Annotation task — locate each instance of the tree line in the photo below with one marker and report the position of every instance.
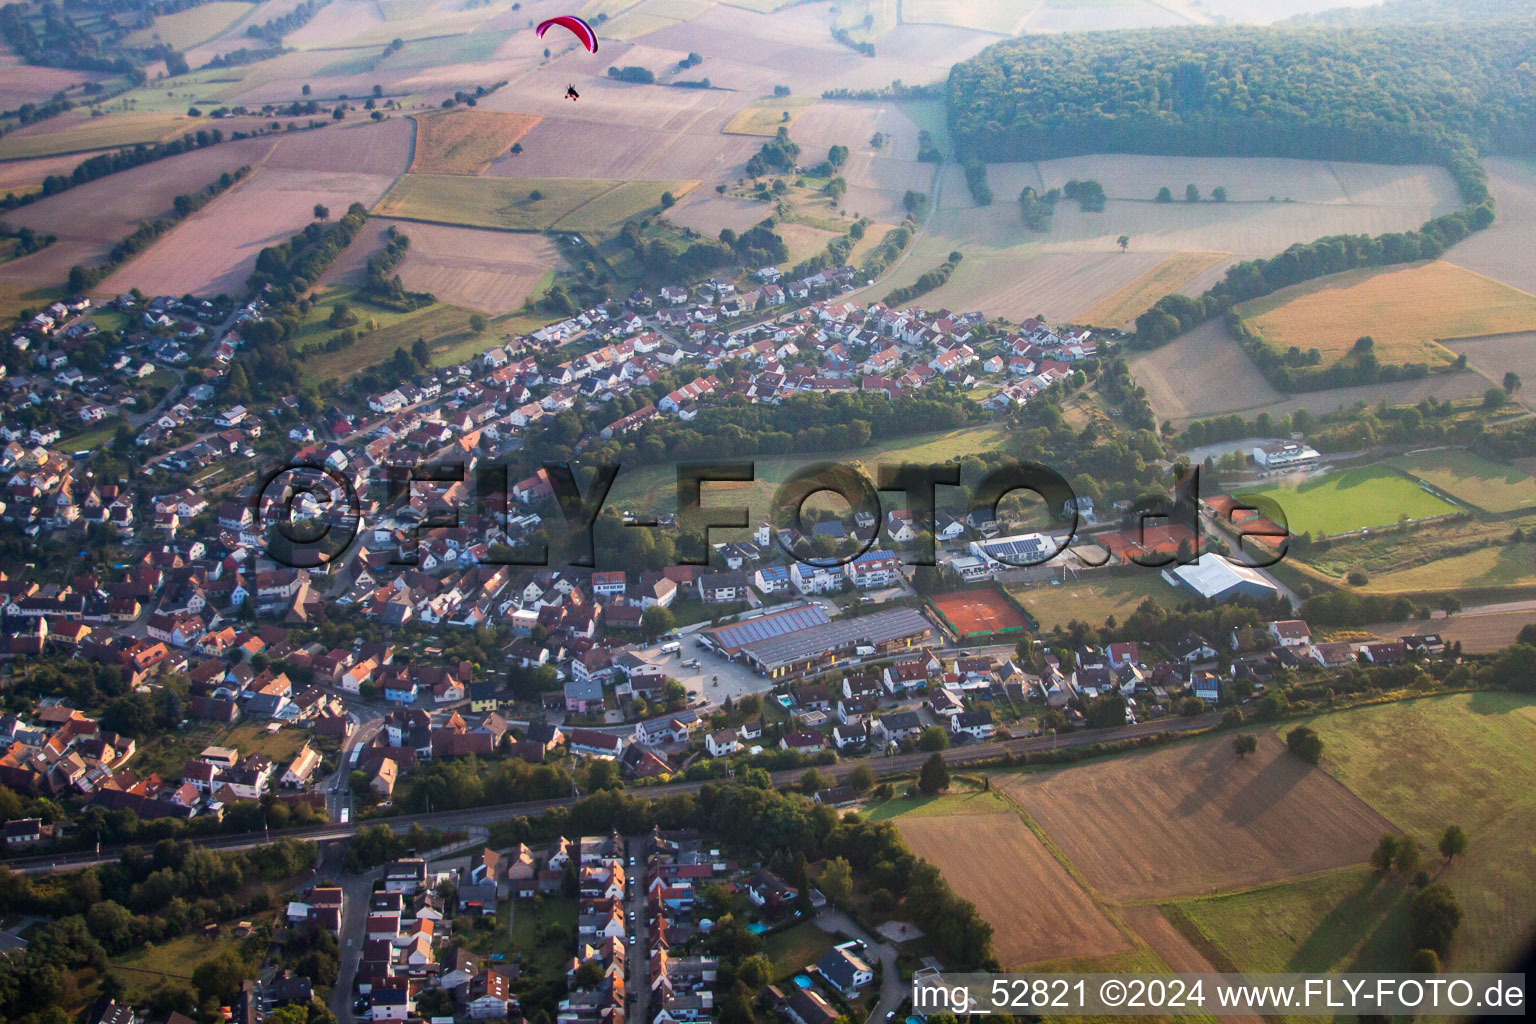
(380, 288)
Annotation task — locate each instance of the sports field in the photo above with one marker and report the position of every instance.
(524, 204)
(1406, 311)
(984, 612)
(1053, 607)
(1470, 478)
(997, 863)
(1352, 500)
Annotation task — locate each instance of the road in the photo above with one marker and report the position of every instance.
(892, 991)
(637, 957)
(478, 816)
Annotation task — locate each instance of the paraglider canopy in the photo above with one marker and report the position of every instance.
(576, 25)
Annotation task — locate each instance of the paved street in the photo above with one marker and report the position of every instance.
(892, 991)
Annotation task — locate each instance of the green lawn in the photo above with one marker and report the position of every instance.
(252, 738)
(1461, 759)
(93, 436)
(529, 922)
(795, 948)
(442, 325)
(1055, 606)
(1351, 500)
(1472, 479)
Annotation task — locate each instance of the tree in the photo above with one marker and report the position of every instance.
(1191, 193)
(1434, 916)
(1454, 843)
(322, 212)
(862, 778)
(477, 323)
(1385, 853)
(655, 621)
(812, 782)
(1245, 744)
(1494, 397)
(1512, 382)
(934, 778)
(1124, 242)
(535, 196)
(1305, 744)
(305, 90)
(1165, 194)
(1407, 859)
(588, 975)
(1219, 194)
(933, 738)
(1425, 961)
(836, 881)
(668, 200)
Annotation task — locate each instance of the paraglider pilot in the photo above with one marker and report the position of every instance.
(571, 93)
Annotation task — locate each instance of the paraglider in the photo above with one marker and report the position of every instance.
(577, 26)
(571, 93)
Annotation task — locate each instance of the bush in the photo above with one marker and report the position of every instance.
(1305, 744)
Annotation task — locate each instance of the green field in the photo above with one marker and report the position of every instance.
(149, 966)
(1055, 607)
(766, 116)
(654, 488)
(444, 327)
(1351, 500)
(252, 738)
(980, 802)
(1350, 919)
(1472, 479)
(1461, 759)
(574, 204)
(97, 133)
(1496, 566)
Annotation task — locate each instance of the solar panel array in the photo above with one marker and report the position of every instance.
(1016, 550)
(765, 627)
(879, 628)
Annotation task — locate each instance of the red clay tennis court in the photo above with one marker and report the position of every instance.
(979, 612)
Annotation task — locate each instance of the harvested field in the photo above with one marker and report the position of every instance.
(1003, 17)
(215, 249)
(93, 217)
(707, 213)
(997, 863)
(766, 116)
(465, 141)
(1503, 250)
(1017, 284)
(29, 83)
(983, 612)
(185, 29)
(570, 147)
(363, 148)
(489, 271)
(1494, 357)
(1352, 500)
(1406, 310)
(1482, 483)
(1097, 15)
(1479, 632)
(1202, 818)
(23, 176)
(1205, 373)
(505, 203)
(1171, 275)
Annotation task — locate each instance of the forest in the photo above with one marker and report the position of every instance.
(1387, 94)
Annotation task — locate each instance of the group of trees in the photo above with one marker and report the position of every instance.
(290, 267)
(82, 279)
(380, 288)
(273, 30)
(103, 164)
(925, 283)
(776, 155)
(1192, 194)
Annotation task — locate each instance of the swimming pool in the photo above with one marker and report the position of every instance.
(914, 1020)
(757, 928)
(803, 981)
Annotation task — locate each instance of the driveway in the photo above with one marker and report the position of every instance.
(892, 991)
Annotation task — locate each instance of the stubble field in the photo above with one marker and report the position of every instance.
(1036, 910)
(1201, 819)
(490, 271)
(464, 141)
(1407, 311)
